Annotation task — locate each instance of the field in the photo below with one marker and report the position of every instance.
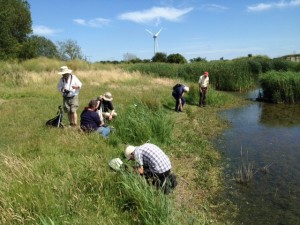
(61, 176)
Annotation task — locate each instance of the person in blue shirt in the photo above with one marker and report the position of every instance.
(90, 120)
(178, 93)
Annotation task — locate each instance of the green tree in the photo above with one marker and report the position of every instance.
(198, 59)
(69, 50)
(176, 58)
(15, 26)
(159, 57)
(37, 46)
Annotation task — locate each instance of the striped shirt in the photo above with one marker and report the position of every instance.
(149, 155)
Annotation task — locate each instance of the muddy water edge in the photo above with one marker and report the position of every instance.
(267, 137)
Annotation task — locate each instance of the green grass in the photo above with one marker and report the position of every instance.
(281, 86)
(61, 176)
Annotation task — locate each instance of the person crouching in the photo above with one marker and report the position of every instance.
(90, 120)
(153, 164)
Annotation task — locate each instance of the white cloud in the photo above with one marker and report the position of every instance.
(214, 7)
(97, 22)
(43, 30)
(155, 14)
(267, 6)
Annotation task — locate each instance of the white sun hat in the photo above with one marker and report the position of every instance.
(130, 149)
(186, 89)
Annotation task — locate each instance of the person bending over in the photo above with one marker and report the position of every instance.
(154, 164)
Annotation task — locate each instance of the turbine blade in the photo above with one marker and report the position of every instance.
(158, 32)
(149, 32)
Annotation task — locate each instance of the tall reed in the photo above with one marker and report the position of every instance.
(281, 86)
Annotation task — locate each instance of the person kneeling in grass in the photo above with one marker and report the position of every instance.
(153, 164)
(90, 120)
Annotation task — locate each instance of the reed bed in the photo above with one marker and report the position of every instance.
(281, 87)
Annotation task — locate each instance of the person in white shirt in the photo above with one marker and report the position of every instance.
(69, 85)
(203, 88)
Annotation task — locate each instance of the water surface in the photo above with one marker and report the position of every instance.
(265, 135)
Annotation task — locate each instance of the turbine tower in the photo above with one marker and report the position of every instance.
(155, 39)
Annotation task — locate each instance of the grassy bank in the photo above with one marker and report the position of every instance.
(61, 176)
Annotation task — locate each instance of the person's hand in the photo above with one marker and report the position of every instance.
(110, 117)
(75, 87)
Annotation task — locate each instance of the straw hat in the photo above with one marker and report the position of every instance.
(64, 70)
(107, 96)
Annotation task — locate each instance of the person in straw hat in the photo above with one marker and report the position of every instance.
(69, 85)
(106, 108)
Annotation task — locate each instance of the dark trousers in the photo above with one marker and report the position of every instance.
(202, 96)
(159, 180)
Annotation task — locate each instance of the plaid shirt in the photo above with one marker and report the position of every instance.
(149, 155)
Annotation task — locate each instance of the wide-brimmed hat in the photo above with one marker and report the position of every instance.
(107, 96)
(205, 73)
(64, 70)
(128, 151)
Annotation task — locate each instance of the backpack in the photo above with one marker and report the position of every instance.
(57, 120)
(176, 86)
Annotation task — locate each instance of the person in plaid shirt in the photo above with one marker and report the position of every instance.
(152, 163)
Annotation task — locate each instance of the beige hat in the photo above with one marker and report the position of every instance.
(64, 70)
(107, 96)
(130, 149)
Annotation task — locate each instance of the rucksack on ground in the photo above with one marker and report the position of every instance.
(57, 120)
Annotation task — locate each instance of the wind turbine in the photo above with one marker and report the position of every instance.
(155, 39)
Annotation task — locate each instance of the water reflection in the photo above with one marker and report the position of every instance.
(265, 134)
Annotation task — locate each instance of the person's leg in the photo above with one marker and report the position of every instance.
(204, 97)
(177, 105)
(201, 97)
(74, 104)
(104, 131)
(163, 181)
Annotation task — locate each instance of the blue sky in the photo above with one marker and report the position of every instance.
(109, 29)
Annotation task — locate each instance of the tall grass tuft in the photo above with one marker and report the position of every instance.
(150, 206)
(143, 121)
(245, 172)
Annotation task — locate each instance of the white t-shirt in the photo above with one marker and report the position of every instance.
(204, 81)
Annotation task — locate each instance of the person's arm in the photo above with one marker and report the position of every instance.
(76, 84)
(140, 170)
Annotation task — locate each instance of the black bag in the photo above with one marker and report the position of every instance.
(176, 86)
(56, 121)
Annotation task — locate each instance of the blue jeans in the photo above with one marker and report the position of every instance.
(104, 131)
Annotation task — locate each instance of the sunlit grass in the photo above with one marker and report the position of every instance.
(61, 176)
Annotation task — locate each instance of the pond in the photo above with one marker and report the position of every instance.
(266, 136)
